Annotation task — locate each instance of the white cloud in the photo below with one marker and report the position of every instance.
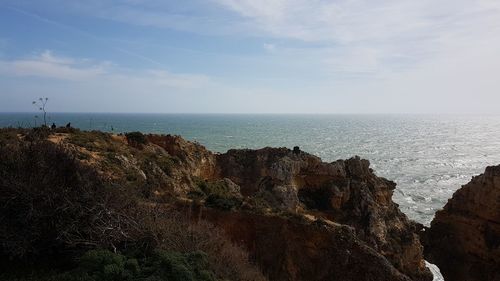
(393, 29)
(72, 84)
(328, 56)
(355, 35)
(375, 35)
(47, 65)
(347, 21)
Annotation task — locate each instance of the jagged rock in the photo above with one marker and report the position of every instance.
(464, 237)
(195, 158)
(291, 250)
(347, 192)
(193, 161)
(233, 189)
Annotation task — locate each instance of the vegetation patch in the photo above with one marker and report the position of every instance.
(217, 194)
(104, 265)
(164, 161)
(93, 141)
(136, 139)
(7, 136)
(54, 209)
(49, 201)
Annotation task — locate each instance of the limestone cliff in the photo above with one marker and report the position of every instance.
(464, 237)
(300, 218)
(293, 249)
(345, 191)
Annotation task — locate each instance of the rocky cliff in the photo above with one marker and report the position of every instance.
(299, 218)
(293, 249)
(464, 237)
(345, 191)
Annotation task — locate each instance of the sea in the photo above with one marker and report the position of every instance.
(428, 156)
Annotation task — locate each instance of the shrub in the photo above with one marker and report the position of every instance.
(53, 208)
(217, 194)
(175, 232)
(92, 141)
(208, 188)
(136, 139)
(7, 136)
(104, 265)
(50, 203)
(164, 161)
(37, 134)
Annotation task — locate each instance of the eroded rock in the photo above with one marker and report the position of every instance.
(347, 192)
(464, 237)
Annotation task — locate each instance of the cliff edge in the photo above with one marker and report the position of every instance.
(464, 237)
(297, 217)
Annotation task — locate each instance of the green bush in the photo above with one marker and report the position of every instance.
(136, 138)
(104, 265)
(164, 161)
(216, 194)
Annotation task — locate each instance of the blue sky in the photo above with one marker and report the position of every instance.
(251, 56)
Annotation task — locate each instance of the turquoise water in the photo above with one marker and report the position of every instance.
(429, 157)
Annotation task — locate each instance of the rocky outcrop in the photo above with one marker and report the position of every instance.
(196, 159)
(299, 217)
(346, 192)
(464, 237)
(293, 249)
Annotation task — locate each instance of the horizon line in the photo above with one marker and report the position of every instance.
(253, 113)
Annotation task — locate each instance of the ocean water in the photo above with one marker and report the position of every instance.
(428, 156)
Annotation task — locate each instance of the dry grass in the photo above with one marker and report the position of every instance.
(174, 231)
(53, 207)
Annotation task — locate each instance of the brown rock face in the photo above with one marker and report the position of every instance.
(464, 238)
(347, 192)
(195, 158)
(293, 250)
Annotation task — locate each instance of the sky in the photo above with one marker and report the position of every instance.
(251, 56)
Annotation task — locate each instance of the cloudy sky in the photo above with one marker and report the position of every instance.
(251, 56)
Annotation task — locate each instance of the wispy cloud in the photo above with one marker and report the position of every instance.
(48, 65)
(355, 35)
(89, 35)
(307, 55)
(348, 21)
(372, 35)
(77, 84)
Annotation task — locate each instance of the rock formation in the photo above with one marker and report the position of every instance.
(464, 237)
(300, 218)
(346, 192)
(291, 249)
